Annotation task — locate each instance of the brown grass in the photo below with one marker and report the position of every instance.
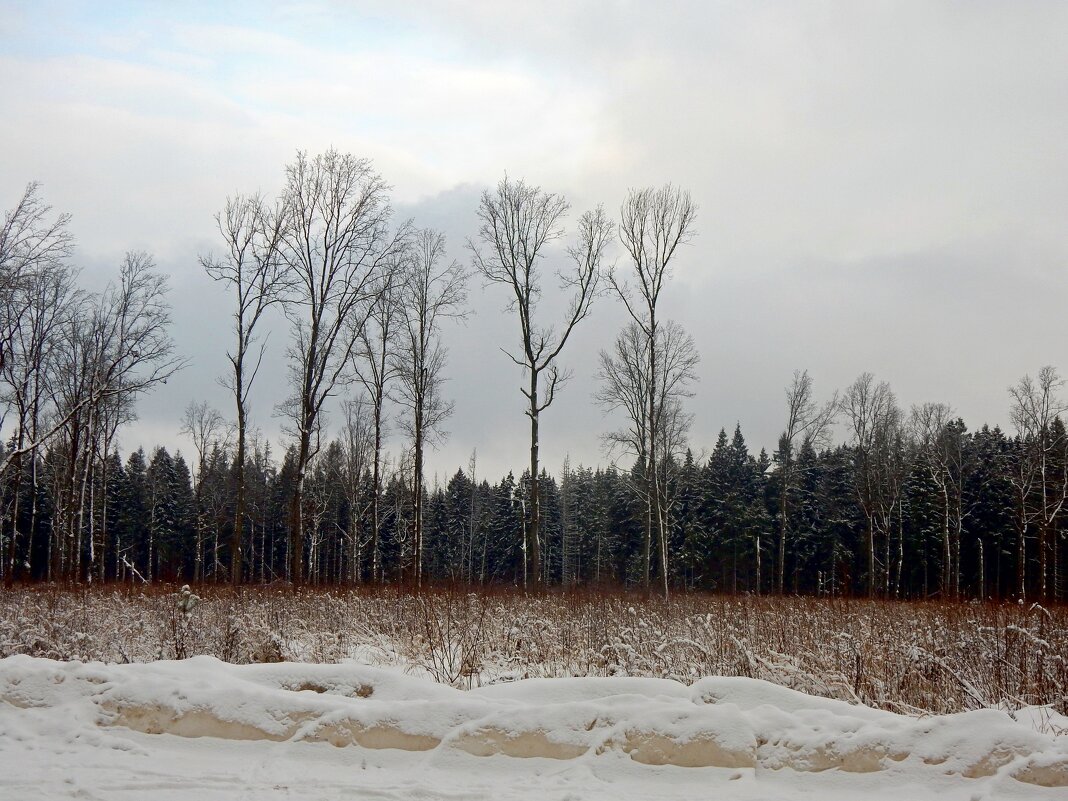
(907, 657)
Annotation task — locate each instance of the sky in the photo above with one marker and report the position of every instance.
(882, 186)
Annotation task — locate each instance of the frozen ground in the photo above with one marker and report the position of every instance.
(204, 729)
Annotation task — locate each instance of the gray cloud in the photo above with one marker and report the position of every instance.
(882, 186)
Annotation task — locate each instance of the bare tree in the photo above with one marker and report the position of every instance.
(357, 446)
(31, 241)
(653, 224)
(336, 251)
(116, 348)
(251, 267)
(875, 419)
(40, 304)
(376, 365)
(208, 429)
(1041, 474)
(433, 291)
(626, 382)
(806, 423)
(36, 297)
(940, 441)
(518, 224)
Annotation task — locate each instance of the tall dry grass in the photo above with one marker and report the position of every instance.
(907, 657)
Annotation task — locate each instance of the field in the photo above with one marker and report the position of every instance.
(116, 693)
(912, 658)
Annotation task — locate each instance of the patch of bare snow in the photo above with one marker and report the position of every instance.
(169, 729)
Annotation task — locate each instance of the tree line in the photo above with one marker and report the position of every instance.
(909, 504)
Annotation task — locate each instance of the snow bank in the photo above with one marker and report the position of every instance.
(731, 723)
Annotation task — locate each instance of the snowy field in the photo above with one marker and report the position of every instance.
(333, 695)
(205, 729)
(914, 658)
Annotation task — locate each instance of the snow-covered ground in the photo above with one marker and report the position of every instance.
(205, 729)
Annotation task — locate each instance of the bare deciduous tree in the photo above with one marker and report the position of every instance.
(41, 303)
(36, 296)
(625, 385)
(336, 251)
(376, 368)
(357, 446)
(653, 224)
(117, 347)
(518, 224)
(30, 242)
(433, 290)
(208, 429)
(1041, 474)
(250, 266)
(940, 451)
(875, 420)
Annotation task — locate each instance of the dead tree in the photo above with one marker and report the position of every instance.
(653, 224)
(518, 224)
(251, 269)
(433, 290)
(336, 250)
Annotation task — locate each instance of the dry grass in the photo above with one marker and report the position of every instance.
(908, 657)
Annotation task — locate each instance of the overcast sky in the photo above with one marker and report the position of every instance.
(882, 186)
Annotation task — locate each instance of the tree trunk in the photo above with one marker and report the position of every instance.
(533, 529)
(237, 537)
(418, 489)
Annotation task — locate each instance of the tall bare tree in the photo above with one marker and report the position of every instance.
(1041, 472)
(433, 291)
(626, 382)
(45, 299)
(250, 266)
(876, 423)
(653, 224)
(518, 224)
(117, 348)
(806, 423)
(376, 366)
(35, 246)
(336, 250)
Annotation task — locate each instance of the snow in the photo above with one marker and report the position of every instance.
(208, 729)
